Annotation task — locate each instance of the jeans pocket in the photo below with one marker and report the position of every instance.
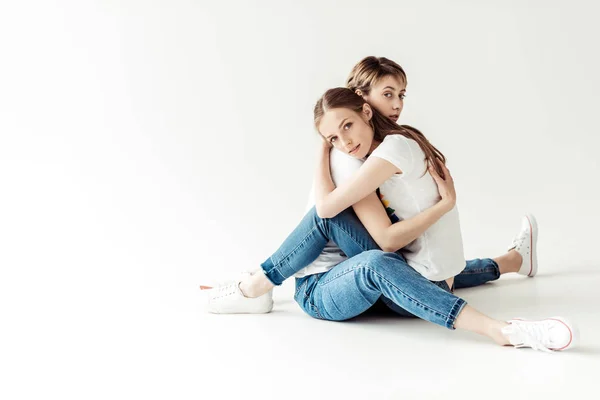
(304, 301)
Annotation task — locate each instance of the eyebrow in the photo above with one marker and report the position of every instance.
(339, 127)
(393, 88)
(342, 123)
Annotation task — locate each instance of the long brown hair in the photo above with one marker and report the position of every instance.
(382, 126)
(370, 70)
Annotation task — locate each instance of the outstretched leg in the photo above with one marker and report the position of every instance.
(354, 285)
(520, 258)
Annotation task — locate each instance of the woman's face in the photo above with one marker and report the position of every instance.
(387, 96)
(348, 130)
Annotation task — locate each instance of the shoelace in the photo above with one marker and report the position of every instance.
(518, 240)
(230, 281)
(224, 290)
(531, 335)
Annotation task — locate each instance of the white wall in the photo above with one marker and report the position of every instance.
(147, 147)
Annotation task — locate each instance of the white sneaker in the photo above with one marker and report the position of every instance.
(525, 243)
(551, 334)
(228, 299)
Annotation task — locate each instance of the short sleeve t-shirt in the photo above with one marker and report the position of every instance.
(438, 253)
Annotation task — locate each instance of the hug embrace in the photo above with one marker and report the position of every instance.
(382, 227)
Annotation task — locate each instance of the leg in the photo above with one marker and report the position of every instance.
(521, 258)
(482, 270)
(477, 272)
(305, 244)
(353, 286)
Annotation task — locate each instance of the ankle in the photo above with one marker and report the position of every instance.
(496, 334)
(246, 289)
(509, 262)
(255, 285)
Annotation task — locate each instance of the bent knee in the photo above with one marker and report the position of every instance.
(381, 261)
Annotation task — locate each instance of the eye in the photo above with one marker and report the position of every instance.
(388, 95)
(402, 96)
(332, 139)
(347, 126)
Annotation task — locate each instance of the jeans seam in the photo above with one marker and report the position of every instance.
(478, 271)
(291, 253)
(310, 303)
(341, 273)
(302, 285)
(321, 225)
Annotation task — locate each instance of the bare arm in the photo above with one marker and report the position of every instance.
(330, 201)
(392, 237)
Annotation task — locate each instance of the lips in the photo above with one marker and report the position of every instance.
(354, 150)
(394, 117)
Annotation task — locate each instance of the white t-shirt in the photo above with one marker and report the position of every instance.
(342, 168)
(438, 253)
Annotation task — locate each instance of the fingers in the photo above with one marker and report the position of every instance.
(445, 169)
(434, 173)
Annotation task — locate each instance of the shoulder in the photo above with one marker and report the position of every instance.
(342, 166)
(394, 142)
(340, 160)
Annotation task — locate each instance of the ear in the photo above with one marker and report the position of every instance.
(367, 112)
(359, 92)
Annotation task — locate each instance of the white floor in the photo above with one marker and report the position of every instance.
(287, 354)
(160, 344)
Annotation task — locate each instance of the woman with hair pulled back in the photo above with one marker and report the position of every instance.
(399, 162)
(382, 83)
(410, 175)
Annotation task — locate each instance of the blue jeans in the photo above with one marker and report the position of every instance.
(355, 285)
(309, 238)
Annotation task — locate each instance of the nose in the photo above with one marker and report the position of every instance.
(396, 104)
(348, 144)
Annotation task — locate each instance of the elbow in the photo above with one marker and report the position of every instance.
(388, 248)
(320, 214)
(388, 245)
(323, 212)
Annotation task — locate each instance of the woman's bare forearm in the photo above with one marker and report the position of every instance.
(402, 233)
(323, 182)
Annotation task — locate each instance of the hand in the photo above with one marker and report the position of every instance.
(445, 185)
(325, 145)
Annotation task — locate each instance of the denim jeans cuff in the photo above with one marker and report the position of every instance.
(272, 273)
(496, 270)
(456, 309)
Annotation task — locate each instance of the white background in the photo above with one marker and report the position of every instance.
(150, 146)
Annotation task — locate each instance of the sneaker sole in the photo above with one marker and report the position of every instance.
(258, 310)
(533, 245)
